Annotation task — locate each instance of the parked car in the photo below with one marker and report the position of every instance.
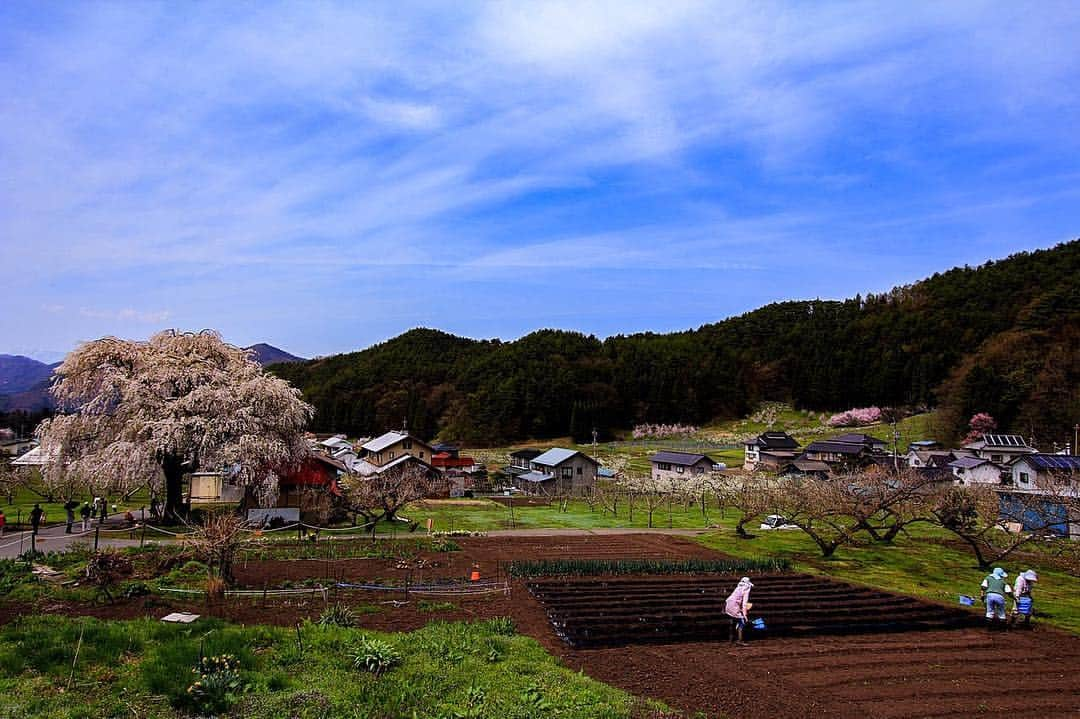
(777, 521)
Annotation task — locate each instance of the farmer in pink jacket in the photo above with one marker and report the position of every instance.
(738, 608)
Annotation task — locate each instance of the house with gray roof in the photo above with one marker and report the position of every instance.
(559, 471)
(769, 450)
(976, 470)
(667, 465)
(1000, 448)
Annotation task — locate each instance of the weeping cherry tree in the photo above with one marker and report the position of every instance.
(134, 413)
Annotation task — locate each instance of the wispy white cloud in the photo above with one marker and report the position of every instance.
(149, 141)
(126, 314)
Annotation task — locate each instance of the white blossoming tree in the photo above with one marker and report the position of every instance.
(134, 413)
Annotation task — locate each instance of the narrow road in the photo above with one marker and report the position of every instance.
(53, 538)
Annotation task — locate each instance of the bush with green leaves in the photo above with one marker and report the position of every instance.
(12, 574)
(376, 656)
(337, 615)
(218, 685)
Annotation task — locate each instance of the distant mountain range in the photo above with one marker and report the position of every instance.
(24, 382)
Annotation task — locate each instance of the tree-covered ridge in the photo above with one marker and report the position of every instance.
(1000, 337)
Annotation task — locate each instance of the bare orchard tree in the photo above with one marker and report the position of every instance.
(885, 503)
(138, 412)
(379, 497)
(994, 523)
(751, 495)
(645, 489)
(218, 540)
(823, 509)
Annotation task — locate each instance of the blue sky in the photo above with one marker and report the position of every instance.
(324, 176)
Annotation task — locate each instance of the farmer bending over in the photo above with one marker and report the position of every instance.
(1022, 603)
(994, 589)
(738, 607)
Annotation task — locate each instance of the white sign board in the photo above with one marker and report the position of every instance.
(180, 618)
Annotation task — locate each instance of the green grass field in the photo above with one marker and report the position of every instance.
(144, 669)
(485, 515)
(25, 498)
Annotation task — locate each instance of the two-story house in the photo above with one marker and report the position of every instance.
(393, 445)
(680, 465)
(521, 461)
(846, 450)
(769, 450)
(1003, 449)
(559, 471)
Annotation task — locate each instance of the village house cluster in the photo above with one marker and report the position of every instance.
(1006, 462)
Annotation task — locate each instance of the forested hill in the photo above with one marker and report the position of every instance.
(1001, 338)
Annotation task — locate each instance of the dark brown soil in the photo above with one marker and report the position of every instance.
(616, 611)
(952, 673)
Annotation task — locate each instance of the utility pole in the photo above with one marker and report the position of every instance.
(895, 446)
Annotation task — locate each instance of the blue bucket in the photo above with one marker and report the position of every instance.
(967, 601)
(1023, 605)
(758, 623)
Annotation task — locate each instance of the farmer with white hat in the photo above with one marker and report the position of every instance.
(738, 608)
(994, 589)
(1022, 604)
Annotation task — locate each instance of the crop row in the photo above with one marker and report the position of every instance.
(614, 567)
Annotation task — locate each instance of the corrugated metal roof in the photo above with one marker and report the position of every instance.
(383, 441)
(555, 456)
(684, 459)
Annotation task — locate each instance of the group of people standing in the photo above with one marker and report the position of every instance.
(995, 590)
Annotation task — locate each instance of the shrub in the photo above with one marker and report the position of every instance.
(375, 656)
(12, 574)
(104, 569)
(337, 615)
(218, 686)
(136, 589)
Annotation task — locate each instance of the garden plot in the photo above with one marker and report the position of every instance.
(598, 612)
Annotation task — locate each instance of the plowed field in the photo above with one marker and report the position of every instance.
(618, 611)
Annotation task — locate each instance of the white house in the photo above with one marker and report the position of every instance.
(976, 470)
(1000, 448)
(1047, 473)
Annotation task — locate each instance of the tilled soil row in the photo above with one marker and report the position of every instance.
(638, 611)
